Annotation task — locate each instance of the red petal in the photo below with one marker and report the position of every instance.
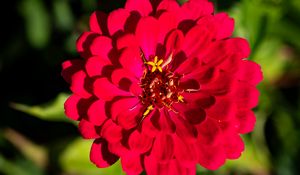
(167, 21)
(111, 132)
(131, 60)
(98, 22)
(184, 129)
(246, 96)
(223, 109)
(83, 42)
(209, 132)
(250, 72)
(78, 84)
(127, 40)
(139, 142)
(176, 168)
(147, 31)
(71, 107)
(116, 20)
(70, 67)
(94, 65)
(169, 5)
(101, 46)
(221, 24)
(96, 113)
(100, 154)
(202, 100)
(148, 127)
(211, 157)
(223, 84)
(131, 164)
(194, 9)
(246, 121)
(105, 90)
(174, 42)
(163, 148)
(155, 168)
(196, 40)
(184, 152)
(233, 145)
(144, 7)
(126, 112)
(191, 112)
(88, 130)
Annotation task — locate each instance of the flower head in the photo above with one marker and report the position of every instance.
(163, 87)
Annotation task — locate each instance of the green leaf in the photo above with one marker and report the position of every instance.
(37, 21)
(63, 15)
(52, 111)
(75, 160)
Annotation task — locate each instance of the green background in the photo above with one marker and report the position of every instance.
(38, 35)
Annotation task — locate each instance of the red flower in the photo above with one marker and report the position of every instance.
(163, 87)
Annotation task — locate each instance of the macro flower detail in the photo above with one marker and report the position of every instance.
(162, 87)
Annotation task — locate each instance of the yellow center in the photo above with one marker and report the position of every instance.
(156, 65)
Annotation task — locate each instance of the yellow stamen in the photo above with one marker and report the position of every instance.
(155, 64)
(180, 98)
(149, 108)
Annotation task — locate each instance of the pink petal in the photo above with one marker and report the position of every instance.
(126, 112)
(184, 152)
(131, 60)
(144, 7)
(98, 22)
(94, 65)
(88, 130)
(70, 67)
(163, 148)
(167, 21)
(111, 132)
(71, 107)
(164, 122)
(131, 164)
(96, 113)
(250, 72)
(139, 142)
(78, 84)
(101, 46)
(246, 121)
(105, 90)
(211, 157)
(147, 32)
(116, 20)
(233, 145)
(209, 132)
(100, 154)
(127, 40)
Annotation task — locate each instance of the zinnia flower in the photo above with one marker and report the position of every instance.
(162, 87)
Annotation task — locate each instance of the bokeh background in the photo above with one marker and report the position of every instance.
(38, 35)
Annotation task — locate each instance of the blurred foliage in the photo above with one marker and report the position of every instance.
(36, 138)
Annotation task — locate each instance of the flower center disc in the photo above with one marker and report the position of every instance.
(160, 88)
